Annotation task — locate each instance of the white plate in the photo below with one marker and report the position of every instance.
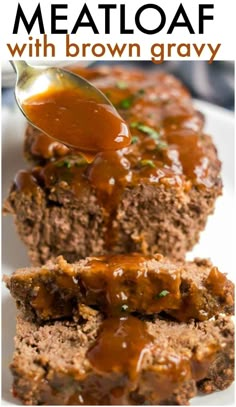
(216, 241)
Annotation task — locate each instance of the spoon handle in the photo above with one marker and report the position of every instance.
(19, 66)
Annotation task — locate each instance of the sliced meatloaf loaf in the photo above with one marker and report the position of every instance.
(120, 360)
(123, 283)
(154, 196)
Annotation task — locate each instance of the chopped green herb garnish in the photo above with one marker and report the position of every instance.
(124, 307)
(134, 139)
(80, 163)
(67, 164)
(59, 164)
(162, 145)
(64, 163)
(145, 129)
(121, 85)
(134, 124)
(148, 130)
(163, 293)
(126, 103)
(148, 163)
(141, 91)
(154, 135)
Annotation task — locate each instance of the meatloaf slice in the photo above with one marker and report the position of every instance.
(157, 362)
(154, 196)
(123, 283)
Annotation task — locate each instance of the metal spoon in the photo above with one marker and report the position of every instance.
(34, 80)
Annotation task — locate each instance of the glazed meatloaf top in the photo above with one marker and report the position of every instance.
(120, 360)
(71, 179)
(123, 284)
(168, 144)
(151, 103)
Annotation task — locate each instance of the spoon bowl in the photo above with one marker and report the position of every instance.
(35, 80)
(69, 109)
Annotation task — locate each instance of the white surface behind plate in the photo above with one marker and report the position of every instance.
(216, 241)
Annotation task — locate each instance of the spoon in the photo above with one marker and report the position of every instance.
(69, 109)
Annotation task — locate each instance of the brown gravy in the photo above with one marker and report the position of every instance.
(120, 346)
(79, 121)
(116, 284)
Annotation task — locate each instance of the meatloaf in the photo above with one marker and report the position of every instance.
(123, 283)
(154, 196)
(147, 361)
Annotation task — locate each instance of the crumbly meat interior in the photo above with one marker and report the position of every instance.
(51, 364)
